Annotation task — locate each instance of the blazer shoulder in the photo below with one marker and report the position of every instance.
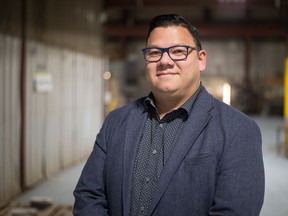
(233, 117)
(136, 104)
(122, 113)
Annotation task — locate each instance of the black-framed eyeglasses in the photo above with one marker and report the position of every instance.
(176, 53)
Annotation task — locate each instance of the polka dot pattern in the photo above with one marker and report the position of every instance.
(159, 138)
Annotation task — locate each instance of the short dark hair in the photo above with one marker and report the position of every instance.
(174, 20)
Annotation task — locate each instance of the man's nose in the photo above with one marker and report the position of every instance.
(165, 58)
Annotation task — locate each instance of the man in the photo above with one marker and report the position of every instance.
(178, 151)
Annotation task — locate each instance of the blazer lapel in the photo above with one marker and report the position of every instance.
(200, 117)
(135, 125)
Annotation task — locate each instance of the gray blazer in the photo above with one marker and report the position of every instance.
(216, 167)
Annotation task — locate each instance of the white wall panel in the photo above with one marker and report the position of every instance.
(225, 58)
(35, 116)
(59, 126)
(267, 60)
(69, 63)
(52, 141)
(9, 117)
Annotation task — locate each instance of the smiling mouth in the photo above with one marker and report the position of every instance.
(165, 74)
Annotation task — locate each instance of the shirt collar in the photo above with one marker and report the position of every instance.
(187, 106)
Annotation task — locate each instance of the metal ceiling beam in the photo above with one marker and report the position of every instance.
(262, 31)
(110, 4)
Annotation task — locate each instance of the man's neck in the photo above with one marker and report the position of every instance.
(166, 103)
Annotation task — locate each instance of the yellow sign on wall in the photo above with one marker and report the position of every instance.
(286, 89)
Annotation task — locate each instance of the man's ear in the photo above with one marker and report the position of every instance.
(202, 60)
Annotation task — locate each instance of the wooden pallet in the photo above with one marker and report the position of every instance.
(54, 209)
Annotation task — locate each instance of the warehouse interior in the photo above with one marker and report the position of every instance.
(64, 65)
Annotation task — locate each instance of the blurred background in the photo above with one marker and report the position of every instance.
(65, 64)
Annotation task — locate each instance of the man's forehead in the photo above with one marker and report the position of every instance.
(177, 34)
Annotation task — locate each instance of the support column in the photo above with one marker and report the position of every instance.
(286, 106)
(285, 10)
(23, 97)
(247, 61)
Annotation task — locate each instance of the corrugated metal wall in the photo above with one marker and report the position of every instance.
(226, 58)
(9, 117)
(63, 41)
(268, 59)
(61, 124)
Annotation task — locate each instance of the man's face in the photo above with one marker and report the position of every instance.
(174, 78)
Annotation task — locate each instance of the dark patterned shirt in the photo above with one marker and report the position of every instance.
(158, 141)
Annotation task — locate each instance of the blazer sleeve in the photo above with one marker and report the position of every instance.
(240, 180)
(90, 194)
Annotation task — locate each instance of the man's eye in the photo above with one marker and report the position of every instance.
(154, 53)
(178, 51)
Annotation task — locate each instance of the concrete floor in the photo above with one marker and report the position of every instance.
(60, 187)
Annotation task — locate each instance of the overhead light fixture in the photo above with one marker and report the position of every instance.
(107, 75)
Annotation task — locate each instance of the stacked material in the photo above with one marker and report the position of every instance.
(38, 206)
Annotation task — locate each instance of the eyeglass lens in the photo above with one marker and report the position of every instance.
(175, 53)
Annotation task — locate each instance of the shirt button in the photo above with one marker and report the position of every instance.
(142, 209)
(161, 125)
(147, 179)
(154, 151)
